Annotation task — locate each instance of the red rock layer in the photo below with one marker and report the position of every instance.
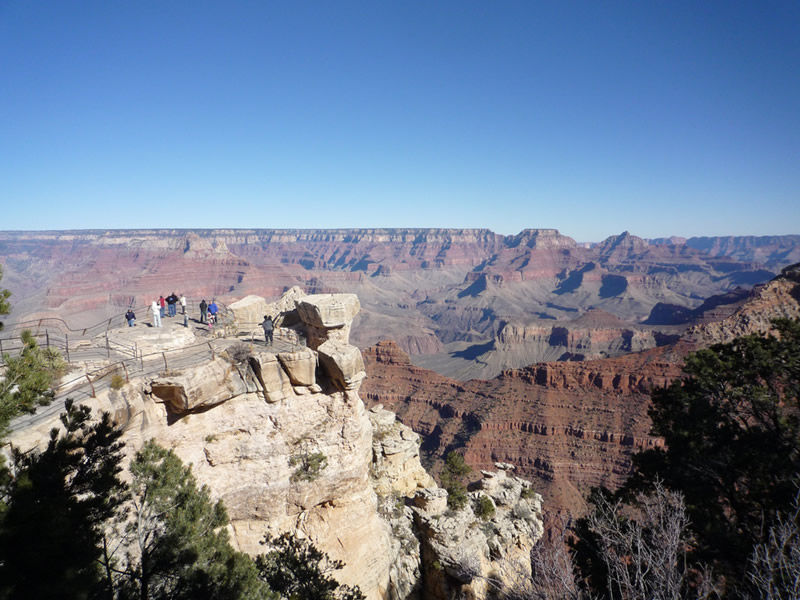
(569, 426)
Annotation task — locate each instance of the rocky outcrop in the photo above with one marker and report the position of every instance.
(479, 549)
(249, 312)
(780, 298)
(442, 553)
(248, 420)
(327, 317)
(396, 469)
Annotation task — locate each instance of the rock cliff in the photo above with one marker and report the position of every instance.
(283, 438)
(565, 425)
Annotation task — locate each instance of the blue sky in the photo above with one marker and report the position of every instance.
(662, 118)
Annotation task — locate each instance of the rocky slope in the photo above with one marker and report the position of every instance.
(566, 425)
(425, 288)
(250, 424)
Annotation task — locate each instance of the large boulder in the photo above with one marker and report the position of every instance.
(249, 312)
(199, 388)
(343, 363)
(301, 366)
(275, 381)
(327, 317)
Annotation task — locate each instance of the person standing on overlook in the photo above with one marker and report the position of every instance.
(156, 313)
(162, 303)
(183, 304)
(203, 309)
(130, 317)
(172, 301)
(268, 327)
(213, 309)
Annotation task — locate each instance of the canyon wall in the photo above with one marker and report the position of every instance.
(436, 292)
(567, 426)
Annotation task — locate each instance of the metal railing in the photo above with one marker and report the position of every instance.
(55, 332)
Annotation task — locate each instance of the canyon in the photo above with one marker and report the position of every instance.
(567, 426)
(465, 302)
(466, 311)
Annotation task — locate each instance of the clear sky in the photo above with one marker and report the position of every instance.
(658, 117)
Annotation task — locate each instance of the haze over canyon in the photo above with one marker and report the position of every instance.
(464, 302)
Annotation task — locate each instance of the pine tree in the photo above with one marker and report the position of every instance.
(28, 379)
(56, 507)
(181, 543)
(732, 443)
(299, 570)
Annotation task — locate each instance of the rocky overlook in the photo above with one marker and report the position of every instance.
(445, 296)
(280, 434)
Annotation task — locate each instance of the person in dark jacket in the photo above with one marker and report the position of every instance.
(172, 301)
(203, 309)
(268, 327)
(130, 317)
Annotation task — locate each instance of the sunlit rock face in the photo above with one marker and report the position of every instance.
(284, 440)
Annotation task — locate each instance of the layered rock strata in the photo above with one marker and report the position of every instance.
(424, 288)
(566, 425)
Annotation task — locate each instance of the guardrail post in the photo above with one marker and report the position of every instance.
(164, 355)
(66, 345)
(210, 347)
(91, 385)
(127, 380)
(47, 339)
(108, 348)
(141, 359)
(1, 347)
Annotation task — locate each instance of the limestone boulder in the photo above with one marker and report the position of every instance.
(396, 467)
(249, 312)
(300, 366)
(343, 363)
(275, 382)
(327, 317)
(202, 387)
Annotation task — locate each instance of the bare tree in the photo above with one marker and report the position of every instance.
(644, 552)
(775, 564)
(550, 575)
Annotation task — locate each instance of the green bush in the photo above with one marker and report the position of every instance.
(309, 465)
(117, 381)
(484, 508)
(455, 468)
